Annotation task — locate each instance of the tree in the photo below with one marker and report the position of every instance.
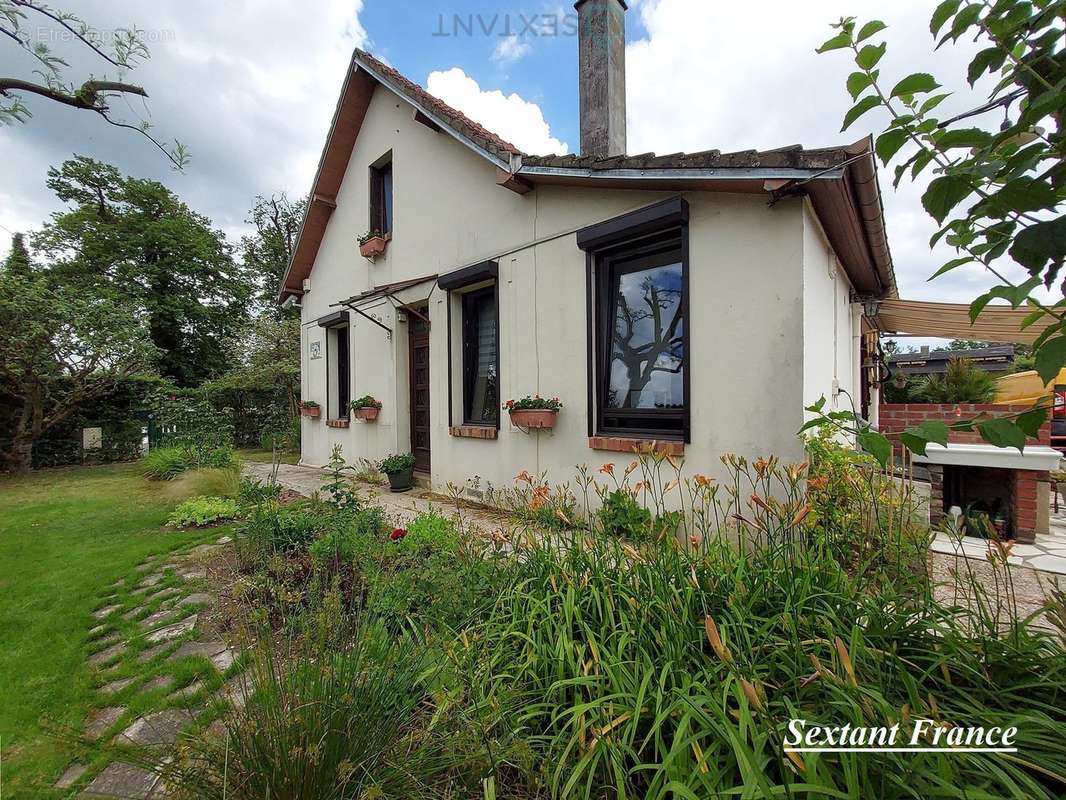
(267, 253)
(962, 382)
(19, 22)
(18, 260)
(135, 239)
(61, 348)
(998, 188)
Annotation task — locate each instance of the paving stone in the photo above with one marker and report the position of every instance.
(151, 580)
(70, 775)
(198, 599)
(235, 691)
(205, 649)
(216, 730)
(169, 591)
(1048, 563)
(153, 652)
(118, 583)
(162, 727)
(101, 719)
(193, 574)
(108, 654)
(158, 683)
(106, 611)
(225, 659)
(116, 686)
(225, 540)
(145, 567)
(134, 613)
(159, 616)
(185, 692)
(171, 632)
(122, 781)
(94, 632)
(202, 550)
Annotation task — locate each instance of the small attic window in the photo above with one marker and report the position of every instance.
(381, 195)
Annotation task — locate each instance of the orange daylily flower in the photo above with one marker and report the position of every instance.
(607, 469)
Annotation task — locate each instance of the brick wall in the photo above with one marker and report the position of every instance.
(894, 418)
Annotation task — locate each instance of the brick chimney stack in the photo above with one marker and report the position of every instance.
(602, 76)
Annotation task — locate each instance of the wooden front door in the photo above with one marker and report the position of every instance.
(418, 335)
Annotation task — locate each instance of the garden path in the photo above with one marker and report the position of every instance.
(159, 672)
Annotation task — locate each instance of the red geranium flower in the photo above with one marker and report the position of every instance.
(397, 534)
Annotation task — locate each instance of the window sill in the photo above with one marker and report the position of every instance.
(338, 423)
(619, 444)
(473, 431)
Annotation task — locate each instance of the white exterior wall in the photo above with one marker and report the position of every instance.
(831, 323)
(748, 287)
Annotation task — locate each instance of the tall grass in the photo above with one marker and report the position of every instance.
(327, 719)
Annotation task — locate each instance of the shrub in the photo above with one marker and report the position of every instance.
(201, 511)
(395, 463)
(962, 382)
(165, 463)
(252, 492)
(622, 517)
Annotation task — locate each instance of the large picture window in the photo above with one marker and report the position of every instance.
(481, 403)
(642, 339)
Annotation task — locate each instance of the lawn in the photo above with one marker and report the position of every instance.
(65, 536)
(285, 456)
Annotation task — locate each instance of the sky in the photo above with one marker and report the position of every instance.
(249, 86)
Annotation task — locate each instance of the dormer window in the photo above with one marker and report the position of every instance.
(381, 195)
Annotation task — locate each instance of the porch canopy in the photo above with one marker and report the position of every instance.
(997, 323)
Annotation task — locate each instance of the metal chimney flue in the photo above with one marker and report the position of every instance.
(602, 76)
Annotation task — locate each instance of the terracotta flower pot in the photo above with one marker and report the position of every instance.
(533, 418)
(367, 413)
(313, 411)
(372, 248)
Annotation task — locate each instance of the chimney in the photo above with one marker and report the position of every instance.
(602, 76)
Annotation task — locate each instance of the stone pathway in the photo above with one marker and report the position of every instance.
(1047, 553)
(157, 677)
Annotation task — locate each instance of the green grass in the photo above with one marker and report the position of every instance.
(287, 456)
(65, 536)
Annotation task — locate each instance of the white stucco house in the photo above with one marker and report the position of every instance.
(697, 300)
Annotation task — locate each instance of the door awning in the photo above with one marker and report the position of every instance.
(997, 323)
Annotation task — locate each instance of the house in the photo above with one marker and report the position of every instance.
(997, 359)
(695, 300)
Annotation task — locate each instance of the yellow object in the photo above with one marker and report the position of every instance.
(1025, 387)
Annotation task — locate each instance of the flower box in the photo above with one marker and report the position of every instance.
(373, 247)
(310, 411)
(367, 413)
(533, 418)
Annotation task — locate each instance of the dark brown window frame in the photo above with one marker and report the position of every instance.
(458, 281)
(382, 219)
(660, 228)
(469, 365)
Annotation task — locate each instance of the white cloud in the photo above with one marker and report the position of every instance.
(511, 49)
(517, 120)
(252, 105)
(709, 75)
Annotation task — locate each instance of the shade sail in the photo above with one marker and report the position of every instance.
(952, 321)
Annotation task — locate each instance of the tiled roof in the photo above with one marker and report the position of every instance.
(793, 156)
(456, 119)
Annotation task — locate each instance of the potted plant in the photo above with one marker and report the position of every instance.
(366, 408)
(372, 244)
(533, 412)
(399, 468)
(309, 408)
